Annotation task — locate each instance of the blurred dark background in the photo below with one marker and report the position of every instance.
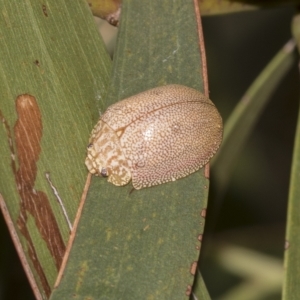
(253, 211)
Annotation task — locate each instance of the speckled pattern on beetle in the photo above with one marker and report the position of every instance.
(154, 137)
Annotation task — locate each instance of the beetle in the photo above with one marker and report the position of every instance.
(154, 137)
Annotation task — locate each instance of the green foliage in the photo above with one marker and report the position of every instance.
(140, 244)
(41, 46)
(145, 242)
(291, 290)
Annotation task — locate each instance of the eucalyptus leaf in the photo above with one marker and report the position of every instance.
(143, 244)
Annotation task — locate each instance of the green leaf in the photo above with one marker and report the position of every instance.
(143, 244)
(199, 289)
(291, 289)
(53, 52)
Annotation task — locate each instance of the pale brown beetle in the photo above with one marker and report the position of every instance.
(154, 137)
